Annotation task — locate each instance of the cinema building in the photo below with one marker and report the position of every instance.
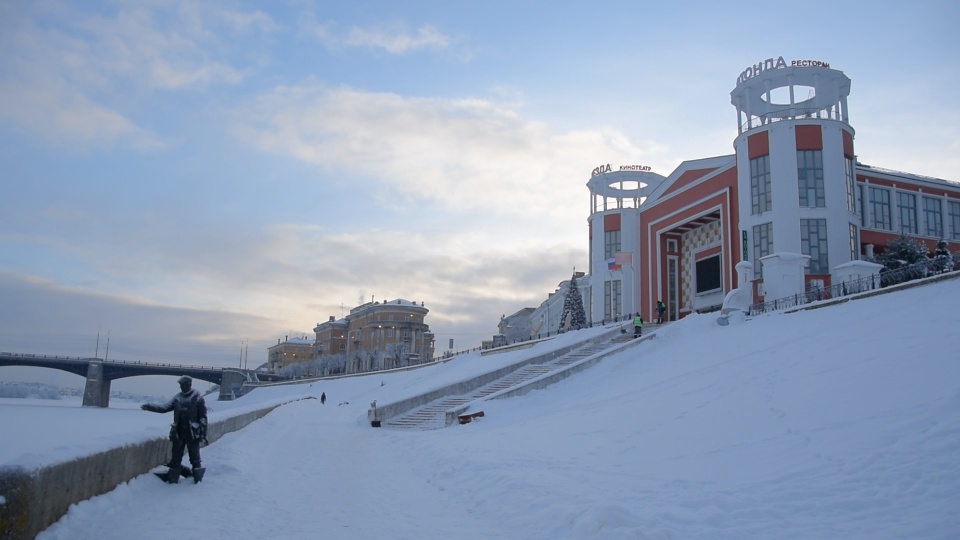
(791, 208)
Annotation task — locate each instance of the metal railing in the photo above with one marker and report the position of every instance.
(886, 278)
(79, 359)
(788, 113)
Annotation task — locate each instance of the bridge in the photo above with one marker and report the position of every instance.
(100, 373)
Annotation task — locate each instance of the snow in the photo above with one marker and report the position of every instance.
(840, 422)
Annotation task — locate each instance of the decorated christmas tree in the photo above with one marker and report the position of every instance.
(573, 308)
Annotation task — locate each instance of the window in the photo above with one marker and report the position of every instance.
(854, 243)
(813, 242)
(932, 217)
(611, 300)
(611, 244)
(810, 174)
(760, 194)
(708, 274)
(864, 215)
(671, 245)
(762, 246)
(953, 209)
(880, 208)
(851, 186)
(907, 207)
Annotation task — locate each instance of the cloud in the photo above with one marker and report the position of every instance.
(70, 120)
(291, 278)
(466, 154)
(297, 273)
(397, 38)
(505, 193)
(249, 21)
(63, 67)
(167, 49)
(41, 317)
(394, 38)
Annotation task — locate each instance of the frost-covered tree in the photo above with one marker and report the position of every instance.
(333, 364)
(903, 251)
(316, 367)
(396, 355)
(573, 308)
(291, 371)
(943, 259)
(29, 390)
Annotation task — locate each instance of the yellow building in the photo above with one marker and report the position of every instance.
(331, 337)
(290, 351)
(377, 336)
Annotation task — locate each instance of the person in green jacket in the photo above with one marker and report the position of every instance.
(637, 325)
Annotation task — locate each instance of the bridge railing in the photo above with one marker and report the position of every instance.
(118, 362)
(43, 356)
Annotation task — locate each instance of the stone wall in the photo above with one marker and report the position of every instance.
(31, 501)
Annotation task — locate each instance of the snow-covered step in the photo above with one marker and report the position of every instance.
(433, 415)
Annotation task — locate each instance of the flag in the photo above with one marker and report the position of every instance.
(623, 258)
(612, 264)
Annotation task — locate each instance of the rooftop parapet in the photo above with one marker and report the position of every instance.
(773, 90)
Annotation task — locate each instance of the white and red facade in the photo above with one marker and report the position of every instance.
(792, 201)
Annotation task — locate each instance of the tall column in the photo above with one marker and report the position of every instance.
(231, 385)
(96, 393)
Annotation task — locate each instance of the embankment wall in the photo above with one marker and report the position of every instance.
(32, 500)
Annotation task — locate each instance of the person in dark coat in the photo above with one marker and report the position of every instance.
(189, 428)
(661, 309)
(323, 398)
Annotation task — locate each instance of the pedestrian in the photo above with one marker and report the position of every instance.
(188, 429)
(323, 398)
(637, 325)
(661, 309)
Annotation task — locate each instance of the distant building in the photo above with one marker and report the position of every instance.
(545, 319)
(377, 336)
(331, 337)
(516, 327)
(289, 351)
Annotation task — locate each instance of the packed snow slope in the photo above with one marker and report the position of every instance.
(841, 422)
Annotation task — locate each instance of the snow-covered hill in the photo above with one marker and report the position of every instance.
(842, 422)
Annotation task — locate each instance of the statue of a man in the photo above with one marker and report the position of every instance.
(188, 429)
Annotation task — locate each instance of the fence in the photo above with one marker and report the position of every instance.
(540, 335)
(886, 278)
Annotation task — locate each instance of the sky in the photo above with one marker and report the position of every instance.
(838, 422)
(200, 179)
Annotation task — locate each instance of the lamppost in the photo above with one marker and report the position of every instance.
(380, 345)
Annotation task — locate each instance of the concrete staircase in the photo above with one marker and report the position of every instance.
(525, 376)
